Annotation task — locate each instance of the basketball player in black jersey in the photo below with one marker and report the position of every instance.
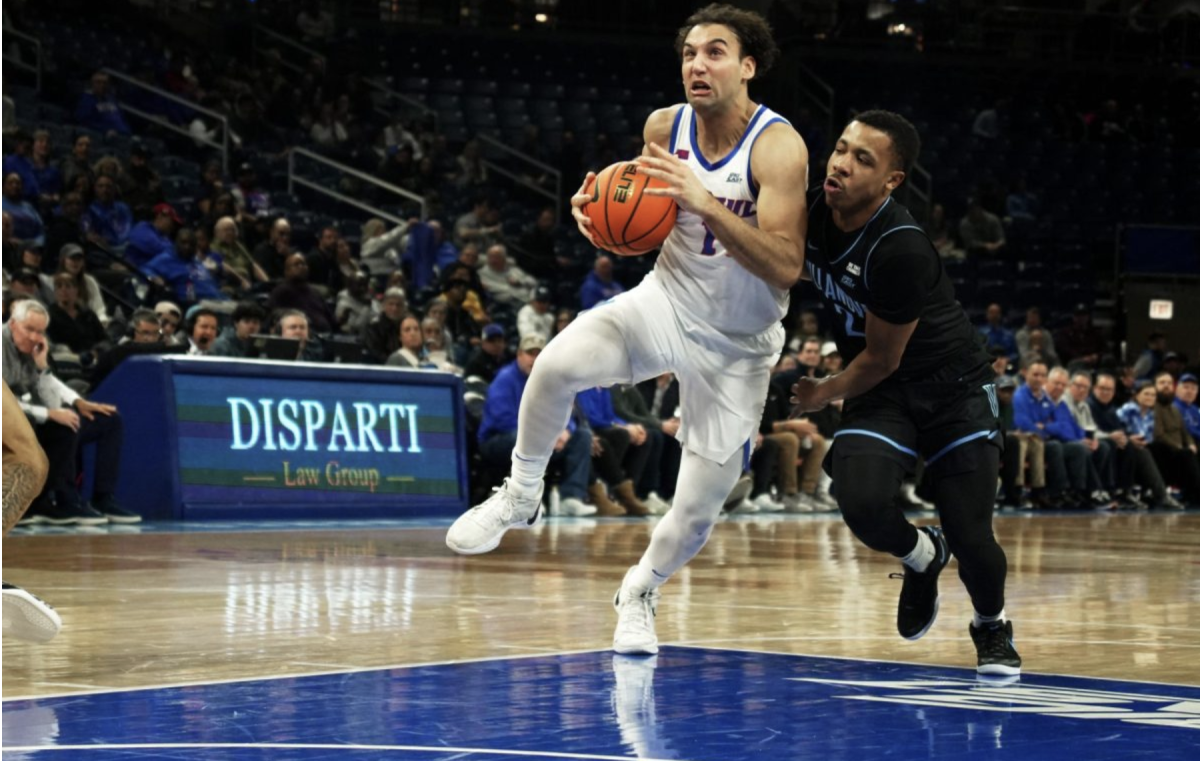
(917, 382)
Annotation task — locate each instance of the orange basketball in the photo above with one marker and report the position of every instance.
(626, 220)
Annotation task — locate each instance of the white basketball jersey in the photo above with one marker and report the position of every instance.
(703, 282)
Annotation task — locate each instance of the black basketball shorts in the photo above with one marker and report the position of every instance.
(943, 419)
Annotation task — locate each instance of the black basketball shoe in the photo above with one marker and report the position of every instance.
(919, 597)
(994, 645)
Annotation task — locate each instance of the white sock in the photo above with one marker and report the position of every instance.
(645, 578)
(922, 555)
(823, 482)
(980, 620)
(527, 473)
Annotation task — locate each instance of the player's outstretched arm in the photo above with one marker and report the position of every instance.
(774, 251)
(885, 346)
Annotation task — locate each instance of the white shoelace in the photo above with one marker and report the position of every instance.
(637, 613)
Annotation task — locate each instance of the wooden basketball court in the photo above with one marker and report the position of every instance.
(1105, 595)
(1111, 596)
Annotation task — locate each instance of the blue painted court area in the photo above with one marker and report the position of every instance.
(685, 703)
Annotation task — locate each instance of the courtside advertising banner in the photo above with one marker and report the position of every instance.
(265, 440)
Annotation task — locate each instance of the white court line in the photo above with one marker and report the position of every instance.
(301, 675)
(325, 746)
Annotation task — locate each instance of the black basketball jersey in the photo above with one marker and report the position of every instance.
(890, 268)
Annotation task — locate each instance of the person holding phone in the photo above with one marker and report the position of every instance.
(62, 421)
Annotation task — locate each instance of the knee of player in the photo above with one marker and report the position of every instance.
(970, 544)
(39, 463)
(557, 367)
(694, 523)
(862, 498)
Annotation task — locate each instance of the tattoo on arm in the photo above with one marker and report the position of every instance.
(21, 485)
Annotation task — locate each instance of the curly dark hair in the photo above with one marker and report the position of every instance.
(906, 142)
(752, 30)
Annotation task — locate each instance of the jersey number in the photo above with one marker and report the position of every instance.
(849, 315)
(710, 243)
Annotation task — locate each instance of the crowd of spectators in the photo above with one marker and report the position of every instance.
(122, 261)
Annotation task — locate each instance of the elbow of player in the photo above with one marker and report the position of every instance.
(787, 277)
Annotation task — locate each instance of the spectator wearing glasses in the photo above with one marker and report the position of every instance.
(293, 323)
(63, 421)
(1135, 465)
(1138, 418)
(144, 337)
(1104, 449)
(145, 327)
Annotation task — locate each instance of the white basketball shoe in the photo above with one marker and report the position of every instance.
(635, 620)
(480, 529)
(28, 617)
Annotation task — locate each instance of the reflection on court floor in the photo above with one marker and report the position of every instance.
(685, 703)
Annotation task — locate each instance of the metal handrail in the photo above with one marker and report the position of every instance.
(922, 190)
(222, 146)
(260, 29)
(555, 197)
(35, 67)
(406, 99)
(295, 179)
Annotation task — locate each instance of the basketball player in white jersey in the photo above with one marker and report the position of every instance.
(709, 312)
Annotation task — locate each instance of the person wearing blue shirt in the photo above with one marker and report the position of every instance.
(107, 222)
(498, 431)
(1185, 400)
(149, 239)
(1135, 464)
(98, 108)
(190, 281)
(1065, 428)
(599, 285)
(1066, 467)
(19, 162)
(998, 336)
(623, 451)
(27, 226)
(46, 174)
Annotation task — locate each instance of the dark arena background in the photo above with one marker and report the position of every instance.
(293, 243)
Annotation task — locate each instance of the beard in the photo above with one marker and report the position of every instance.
(1165, 398)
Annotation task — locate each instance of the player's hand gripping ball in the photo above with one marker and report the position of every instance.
(626, 220)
